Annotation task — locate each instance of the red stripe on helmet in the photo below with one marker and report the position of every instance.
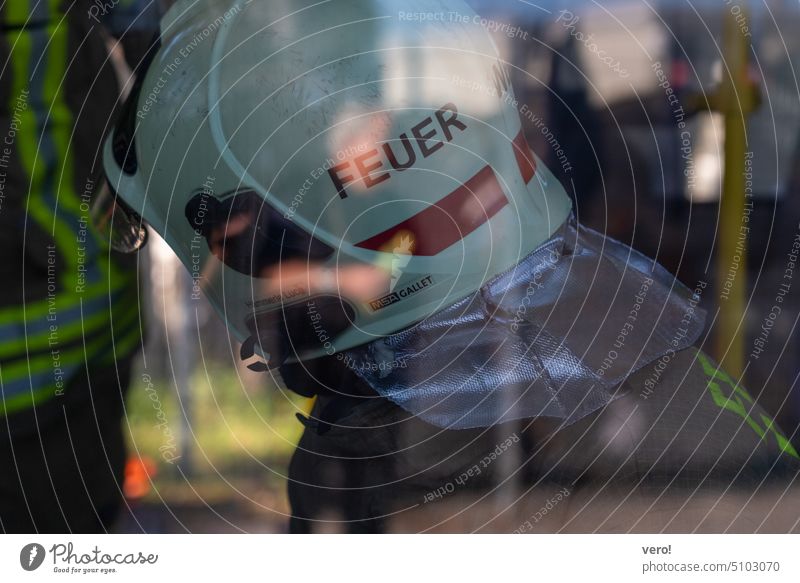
(448, 221)
(525, 159)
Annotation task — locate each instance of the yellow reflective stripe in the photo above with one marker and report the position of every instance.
(27, 400)
(61, 118)
(129, 340)
(38, 395)
(55, 8)
(60, 124)
(65, 202)
(71, 356)
(17, 11)
(66, 332)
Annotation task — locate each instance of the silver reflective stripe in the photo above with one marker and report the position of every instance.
(554, 337)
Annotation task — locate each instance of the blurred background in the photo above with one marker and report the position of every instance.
(626, 102)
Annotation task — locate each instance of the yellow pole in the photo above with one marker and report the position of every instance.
(736, 98)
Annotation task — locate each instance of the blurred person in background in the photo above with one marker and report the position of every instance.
(360, 204)
(69, 322)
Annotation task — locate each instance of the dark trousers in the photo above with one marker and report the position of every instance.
(362, 461)
(62, 466)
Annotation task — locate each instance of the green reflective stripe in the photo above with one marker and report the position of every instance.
(40, 308)
(59, 125)
(74, 329)
(126, 315)
(43, 146)
(62, 123)
(124, 335)
(71, 329)
(129, 342)
(755, 426)
(27, 400)
(44, 362)
(16, 11)
(736, 403)
(125, 312)
(20, 45)
(59, 121)
(39, 395)
(70, 357)
(129, 339)
(62, 219)
(783, 443)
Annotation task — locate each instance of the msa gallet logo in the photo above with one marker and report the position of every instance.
(31, 556)
(401, 255)
(401, 294)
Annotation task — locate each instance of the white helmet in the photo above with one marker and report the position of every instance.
(331, 171)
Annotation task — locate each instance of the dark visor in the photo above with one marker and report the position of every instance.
(248, 235)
